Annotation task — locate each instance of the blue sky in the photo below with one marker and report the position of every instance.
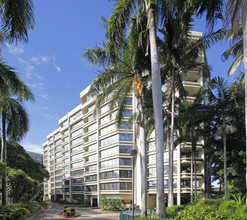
(51, 63)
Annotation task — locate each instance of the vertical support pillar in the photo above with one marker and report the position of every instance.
(179, 175)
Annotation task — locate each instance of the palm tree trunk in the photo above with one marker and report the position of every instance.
(244, 27)
(191, 177)
(194, 156)
(158, 118)
(171, 146)
(3, 156)
(141, 142)
(225, 165)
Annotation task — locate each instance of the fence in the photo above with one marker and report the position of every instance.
(127, 215)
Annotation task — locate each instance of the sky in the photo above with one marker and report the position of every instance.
(51, 62)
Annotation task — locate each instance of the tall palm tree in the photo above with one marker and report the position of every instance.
(17, 17)
(115, 34)
(221, 101)
(14, 118)
(129, 71)
(235, 13)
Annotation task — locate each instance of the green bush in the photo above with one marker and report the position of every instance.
(85, 203)
(112, 204)
(209, 209)
(20, 211)
(172, 211)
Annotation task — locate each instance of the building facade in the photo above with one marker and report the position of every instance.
(88, 157)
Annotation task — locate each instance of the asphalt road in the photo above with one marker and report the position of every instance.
(53, 211)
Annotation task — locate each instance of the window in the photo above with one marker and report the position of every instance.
(77, 132)
(152, 185)
(77, 124)
(91, 108)
(152, 172)
(65, 124)
(108, 140)
(116, 162)
(125, 149)
(78, 148)
(77, 173)
(125, 173)
(58, 177)
(66, 146)
(125, 161)
(66, 168)
(92, 147)
(152, 159)
(125, 137)
(66, 175)
(58, 142)
(77, 140)
(92, 168)
(91, 178)
(105, 108)
(151, 146)
(75, 116)
(91, 117)
(92, 157)
(78, 164)
(127, 113)
(66, 139)
(66, 161)
(108, 129)
(77, 188)
(116, 186)
(66, 153)
(91, 188)
(77, 157)
(77, 181)
(124, 125)
(92, 127)
(92, 137)
(110, 151)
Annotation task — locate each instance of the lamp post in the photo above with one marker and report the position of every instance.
(133, 153)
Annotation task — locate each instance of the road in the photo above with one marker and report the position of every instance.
(53, 211)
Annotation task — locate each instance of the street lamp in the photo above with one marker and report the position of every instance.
(133, 153)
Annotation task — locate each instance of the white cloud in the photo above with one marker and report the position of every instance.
(43, 108)
(33, 147)
(57, 67)
(50, 117)
(36, 85)
(44, 96)
(16, 50)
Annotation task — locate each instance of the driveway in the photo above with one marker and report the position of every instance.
(53, 211)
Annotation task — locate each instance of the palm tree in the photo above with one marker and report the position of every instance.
(14, 118)
(235, 13)
(17, 18)
(115, 34)
(119, 77)
(221, 102)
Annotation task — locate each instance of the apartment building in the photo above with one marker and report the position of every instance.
(88, 157)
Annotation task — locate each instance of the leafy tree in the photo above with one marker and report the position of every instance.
(21, 187)
(19, 159)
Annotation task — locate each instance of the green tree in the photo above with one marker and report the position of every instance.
(21, 187)
(115, 35)
(14, 120)
(17, 18)
(221, 102)
(118, 78)
(19, 159)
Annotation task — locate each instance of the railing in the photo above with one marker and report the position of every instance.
(127, 215)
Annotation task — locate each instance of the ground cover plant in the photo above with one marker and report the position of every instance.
(20, 211)
(209, 209)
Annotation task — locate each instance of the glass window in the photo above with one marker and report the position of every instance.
(92, 137)
(110, 151)
(77, 124)
(77, 132)
(125, 137)
(92, 127)
(77, 140)
(78, 164)
(108, 129)
(125, 149)
(91, 108)
(77, 188)
(108, 140)
(75, 116)
(77, 157)
(77, 172)
(77, 180)
(92, 147)
(78, 148)
(127, 113)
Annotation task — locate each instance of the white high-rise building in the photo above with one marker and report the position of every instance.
(88, 157)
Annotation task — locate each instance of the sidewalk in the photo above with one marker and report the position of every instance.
(53, 211)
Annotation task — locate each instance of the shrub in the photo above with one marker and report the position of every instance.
(112, 204)
(172, 211)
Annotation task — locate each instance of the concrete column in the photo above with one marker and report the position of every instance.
(179, 175)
